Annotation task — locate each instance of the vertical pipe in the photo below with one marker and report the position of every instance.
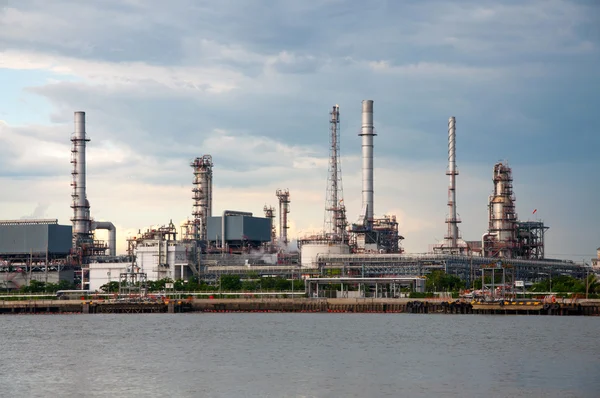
(452, 225)
(367, 158)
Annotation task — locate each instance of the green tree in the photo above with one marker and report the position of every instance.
(438, 280)
(230, 283)
(110, 287)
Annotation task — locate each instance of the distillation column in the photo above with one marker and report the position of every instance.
(284, 209)
(202, 195)
(270, 214)
(367, 134)
(501, 238)
(452, 221)
(80, 204)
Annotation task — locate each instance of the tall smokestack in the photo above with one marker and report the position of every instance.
(452, 221)
(81, 207)
(367, 158)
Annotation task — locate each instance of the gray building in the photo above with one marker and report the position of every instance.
(240, 230)
(34, 237)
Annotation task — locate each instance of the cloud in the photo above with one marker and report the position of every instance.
(252, 84)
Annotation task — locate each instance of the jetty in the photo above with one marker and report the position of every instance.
(309, 305)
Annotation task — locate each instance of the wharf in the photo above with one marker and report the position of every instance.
(93, 307)
(420, 306)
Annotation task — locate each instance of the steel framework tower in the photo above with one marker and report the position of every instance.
(335, 211)
(202, 207)
(284, 209)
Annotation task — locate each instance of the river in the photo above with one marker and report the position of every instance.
(298, 355)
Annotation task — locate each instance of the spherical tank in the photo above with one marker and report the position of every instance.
(310, 251)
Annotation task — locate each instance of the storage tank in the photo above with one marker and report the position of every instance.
(310, 251)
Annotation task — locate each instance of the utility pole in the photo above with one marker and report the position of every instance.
(46, 270)
(587, 283)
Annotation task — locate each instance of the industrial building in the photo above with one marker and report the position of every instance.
(596, 263)
(34, 250)
(237, 231)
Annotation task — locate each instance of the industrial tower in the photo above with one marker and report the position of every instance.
(82, 228)
(452, 236)
(501, 239)
(335, 211)
(367, 133)
(202, 207)
(284, 209)
(270, 214)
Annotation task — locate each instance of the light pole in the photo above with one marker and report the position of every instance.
(587, 283)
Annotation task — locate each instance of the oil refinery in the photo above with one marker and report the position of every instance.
(237, 242)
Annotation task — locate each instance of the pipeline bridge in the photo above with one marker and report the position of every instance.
(467, 268)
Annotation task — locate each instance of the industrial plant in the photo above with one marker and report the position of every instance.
(237, 242)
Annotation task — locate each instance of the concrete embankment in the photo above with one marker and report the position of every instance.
(422, 306)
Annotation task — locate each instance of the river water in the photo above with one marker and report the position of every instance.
(299, 355)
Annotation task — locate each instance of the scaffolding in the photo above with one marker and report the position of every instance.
(530, 239)
(133, 284)
(494, 290)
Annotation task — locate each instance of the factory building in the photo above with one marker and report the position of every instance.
(34, 250)
(156, 254)
(596, 262)
(236, 231)
(23, 238)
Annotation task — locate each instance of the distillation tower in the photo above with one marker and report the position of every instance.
(270, 214)
(335, 210)
(82, 229)
(501, 239)
(202, 195)
(84, 244)
(284, 208)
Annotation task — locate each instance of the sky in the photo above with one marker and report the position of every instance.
(252, 82)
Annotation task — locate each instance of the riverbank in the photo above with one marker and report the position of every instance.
(334, 305)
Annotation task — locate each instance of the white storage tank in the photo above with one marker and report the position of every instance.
(310, 251)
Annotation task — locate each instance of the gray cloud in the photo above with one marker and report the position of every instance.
(252, 82)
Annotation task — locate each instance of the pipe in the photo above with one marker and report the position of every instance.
(112, 234)
(367, 158)
(483, 240)
(81, 219)
(225, 214)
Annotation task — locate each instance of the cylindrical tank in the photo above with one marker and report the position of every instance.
(310, 251)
